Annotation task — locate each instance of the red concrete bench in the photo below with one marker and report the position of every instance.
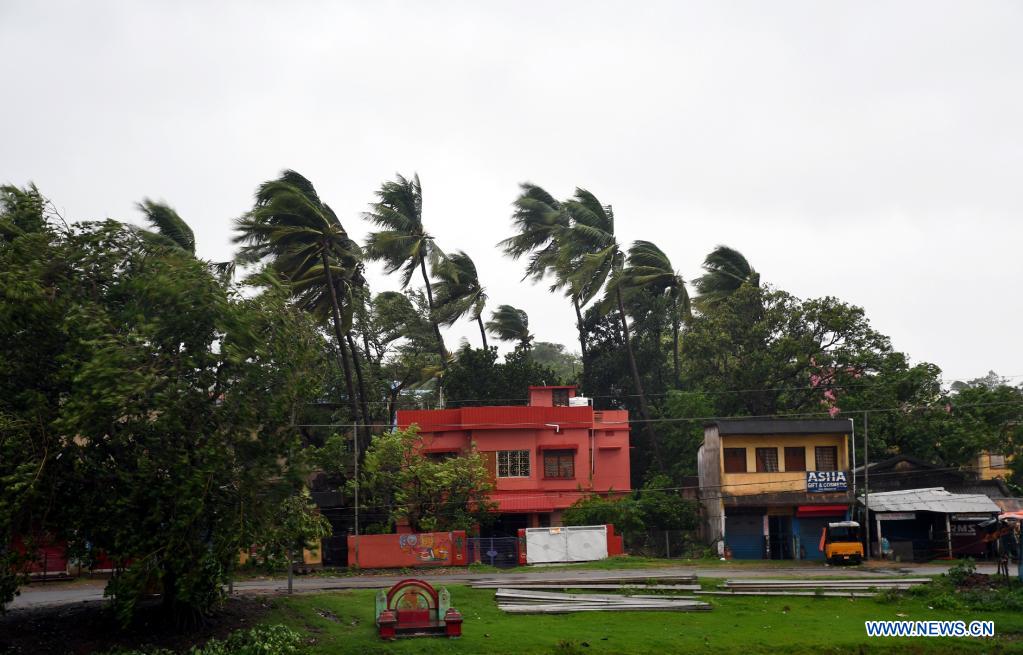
(412, 608)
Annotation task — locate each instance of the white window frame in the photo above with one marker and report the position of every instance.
(513, 464)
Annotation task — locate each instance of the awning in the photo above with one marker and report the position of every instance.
(822, 511)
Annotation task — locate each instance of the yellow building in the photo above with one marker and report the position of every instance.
(768, 487)
(992, 465)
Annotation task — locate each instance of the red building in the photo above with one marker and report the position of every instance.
(543, 456)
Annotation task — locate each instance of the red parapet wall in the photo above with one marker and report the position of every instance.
(393, 551)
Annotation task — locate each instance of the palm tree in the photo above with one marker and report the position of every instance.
(509, 323)
(303, 241)
(590, 249)
(647, 267)
(170, 230)
(404, 244)
(727, 270)
(540, 220)
(459, 292)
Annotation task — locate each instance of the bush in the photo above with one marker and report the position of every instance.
(261, 640)
(963, 569)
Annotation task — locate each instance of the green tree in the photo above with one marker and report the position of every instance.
(566, 365)
(649, 269)
(293, 524)
(589, 246)
(399, 484)
(540, 222)
(403, 243)
(459, 292)
(727, 270)
(300, 237)
(509, 323)
(166, 415)
(475, 377)
(169, 229)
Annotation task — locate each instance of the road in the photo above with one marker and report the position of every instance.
(84, 590)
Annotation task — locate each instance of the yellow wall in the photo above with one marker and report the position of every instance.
(988, 472)
(747, 484)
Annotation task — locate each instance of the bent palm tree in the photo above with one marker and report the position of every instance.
(647, 267)
(591, 251)
(404, 244)
(301, 238)
(509, 323)
(727, 270)
(459, 292)
(540, 220)
(169, 229)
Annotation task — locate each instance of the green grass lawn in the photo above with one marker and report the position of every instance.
(342, 622)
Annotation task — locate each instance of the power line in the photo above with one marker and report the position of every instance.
(630, 421)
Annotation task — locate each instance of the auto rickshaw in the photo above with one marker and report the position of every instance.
(840, 543)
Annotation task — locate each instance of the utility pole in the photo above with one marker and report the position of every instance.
(866, 478)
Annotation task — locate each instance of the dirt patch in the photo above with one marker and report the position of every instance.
(90, 628)
(978, 581)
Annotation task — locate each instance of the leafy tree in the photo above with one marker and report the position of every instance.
(682, 438)
(656, 506)
(401, 343)
(404, 244)
(566, 365)
(169, 229)
(163, 420)
(293, 525)
(540, 222)
(459, 291)
(399, 484)
(475, 377)
(649, 269)
(589, 246)
(727, 270)
(300, 237)
(509, 323)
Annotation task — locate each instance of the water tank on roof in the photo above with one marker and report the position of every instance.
(579, 401)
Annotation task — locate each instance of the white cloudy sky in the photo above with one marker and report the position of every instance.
(868, 150)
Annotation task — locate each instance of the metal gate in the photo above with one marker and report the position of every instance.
(744, 536)
(495, 551)
(810, 537)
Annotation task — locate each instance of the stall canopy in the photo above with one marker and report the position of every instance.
(934, 499)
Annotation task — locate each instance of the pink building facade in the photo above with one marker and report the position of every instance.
(543, 457)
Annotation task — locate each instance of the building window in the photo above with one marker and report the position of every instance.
(735, 460)
(513, 463)
(827, 458)
(561, 397)
(559, 464)
(997, 461)
(767, 460)
(795, 458)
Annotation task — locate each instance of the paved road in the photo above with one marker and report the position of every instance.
(61, 593)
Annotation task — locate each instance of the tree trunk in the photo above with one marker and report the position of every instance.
(367, 429)
(291, 572)
(335, 309)
(582, 337)
(436, 327)
(483, 332)
(637, 382)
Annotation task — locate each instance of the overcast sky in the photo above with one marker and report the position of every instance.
(867, 150)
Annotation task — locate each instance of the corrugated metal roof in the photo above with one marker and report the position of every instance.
(782, 426)
(933, 499)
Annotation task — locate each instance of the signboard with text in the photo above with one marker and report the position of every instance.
(826, 481)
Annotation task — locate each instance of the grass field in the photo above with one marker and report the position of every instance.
(342, 622)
